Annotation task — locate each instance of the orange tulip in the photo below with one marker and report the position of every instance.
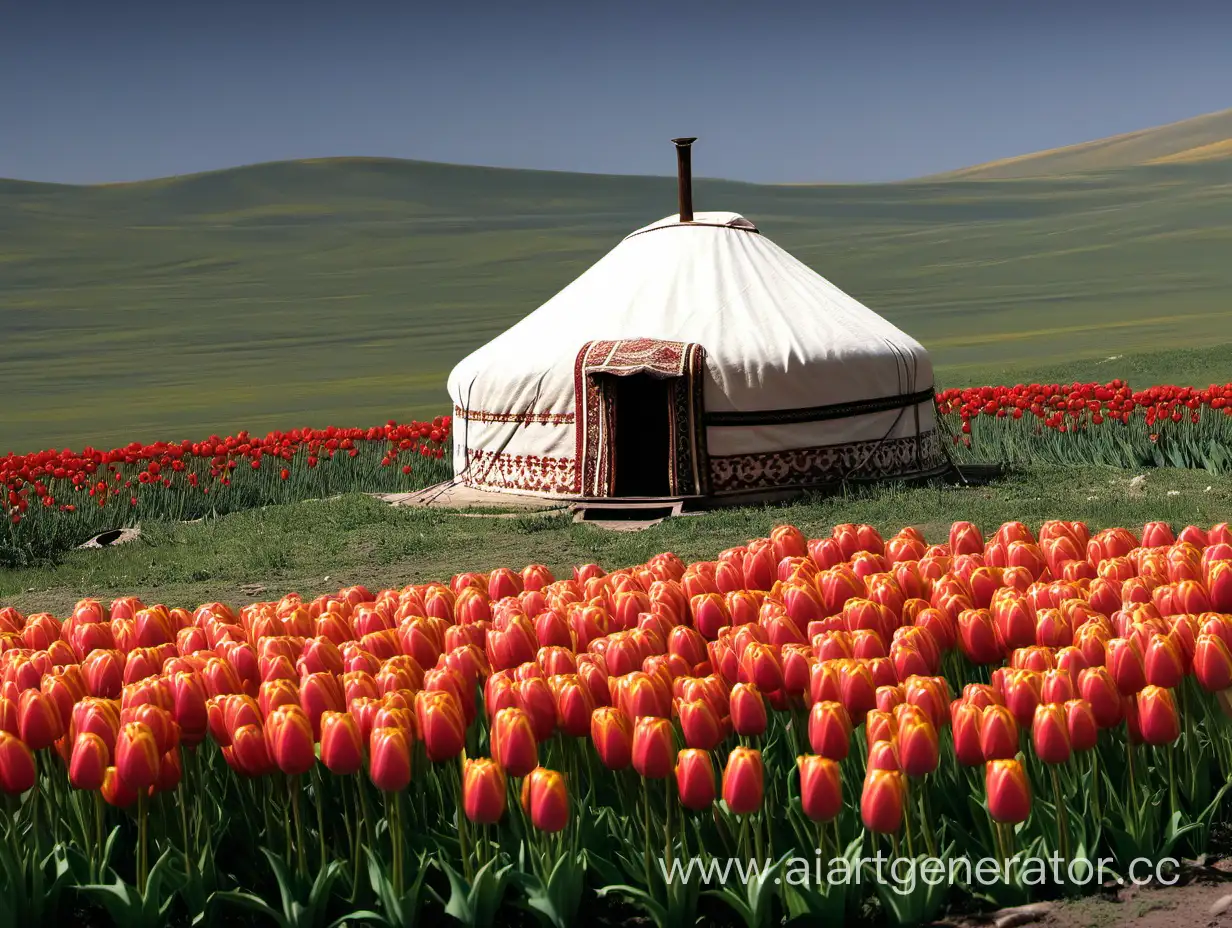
(918, 747)
(546, 799)
(700, 724)
(830, 730)
(1009, 791)
(442, 726)
(38, 720)
(748, 710)
(1096, 686)
(998, 733)
(483, 790)
(821, 787)
(89, 761)
(743, 781)
(1126, 666)
(115, 791)
(248, 752)
(1212, 663)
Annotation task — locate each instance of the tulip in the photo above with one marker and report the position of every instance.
(1212, 663)
(821, 787)
(1157, 716)
(748, 710)
(483, 790)
(249, 752)
(389, 759)
(918, 748)
(998, 734)
(288, 733)
(1126, 666)
(1009, 791)
(612, 733)
(1050, 733)
(546, 799)
(966, 720)
(137, 756)
(342, 746)
(653, 749)
(1096, 686)
(89, 761)
(115, 791)
(695, 779)
(441, 725)
(830, 730)
(743, 781)
(38, 720)
(513, 742)
(700, 724)
(881, 803)
(17, 772)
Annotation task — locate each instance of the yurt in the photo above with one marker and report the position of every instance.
(696, 359)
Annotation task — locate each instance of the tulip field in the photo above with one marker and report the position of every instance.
(517, 747)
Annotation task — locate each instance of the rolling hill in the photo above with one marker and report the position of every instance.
(343, 290)
(1196, 140)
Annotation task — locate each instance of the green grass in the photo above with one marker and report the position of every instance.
(342, 291)
(320, 546)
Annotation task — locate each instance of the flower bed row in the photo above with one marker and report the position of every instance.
(514, 739)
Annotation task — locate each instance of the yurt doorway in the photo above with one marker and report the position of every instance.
(642, 436)
(639, 419)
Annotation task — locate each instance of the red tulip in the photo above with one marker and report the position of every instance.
(1212, 663)
(1009, 791)
(700, 724)
(1096, 686)
(38, 720)
(612, 733)
(441, 725)
(513, 742)
(288, 734)
(1157, 716)
(1080, 721)
(695, 779)
(115, 791)
(998, 734)
(881, 803)
(1126, 666)
(1050, 733)
(966, 721)
(748, 710)
(743, 781)
(342, 746)
(483, 790)
(918, 747)
(830, 730)
(821, 787)
(546, 799)
(137, 756)
(653, 749)
(389, 759)
(17, 773)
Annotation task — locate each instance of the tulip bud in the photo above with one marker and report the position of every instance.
(483, 790)
(1080, 721)
(966, 720)
(1096, 686)
(695, 779)
(1009, 791)
(288, 735)
(441, 725)
(546, 799)
(821, 787)
(89, 761)
(700, 724)
(748, 710)
(1126, 665)
(743, 781)
(918, 747)
(830, 730)
(1212, 663)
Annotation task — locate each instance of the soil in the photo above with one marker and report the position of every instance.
(1202, 897)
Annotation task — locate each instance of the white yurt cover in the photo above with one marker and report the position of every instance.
(779, 378)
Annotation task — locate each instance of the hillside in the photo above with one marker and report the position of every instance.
(1200, 139)
(342, 291)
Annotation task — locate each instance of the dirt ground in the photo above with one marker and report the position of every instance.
(1202, 897)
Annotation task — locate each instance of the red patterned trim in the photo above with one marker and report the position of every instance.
(680, 361)
(524, 418)
(798, 467)
(521, 472)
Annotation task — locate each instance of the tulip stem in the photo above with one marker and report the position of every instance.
(1129, 751)
(301, 863)
(143, 815)
(318, 787)
(907, 818)
(188, 855)
(1095, 784)
(667, 827)
(646, 828)
(925, 823)
(1062, 815)
(98, 830)
(394, 815)
(1171, 750)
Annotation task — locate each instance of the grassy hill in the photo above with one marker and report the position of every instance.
(343, 290)
(1200, 139)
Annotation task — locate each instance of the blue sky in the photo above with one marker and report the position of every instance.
(776, 91)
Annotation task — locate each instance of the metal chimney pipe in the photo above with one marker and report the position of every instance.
(684, 175)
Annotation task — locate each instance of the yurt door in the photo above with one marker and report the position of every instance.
(639, 419)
